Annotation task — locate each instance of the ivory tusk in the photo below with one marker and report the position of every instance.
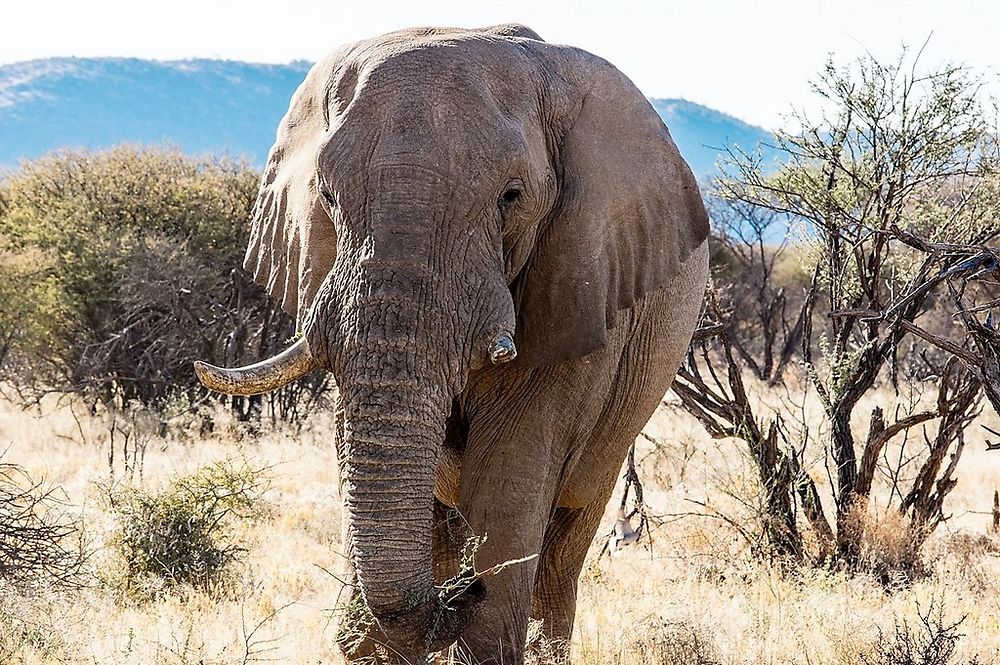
(293, 363)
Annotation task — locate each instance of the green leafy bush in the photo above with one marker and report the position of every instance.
(119, 268)
(184, 533)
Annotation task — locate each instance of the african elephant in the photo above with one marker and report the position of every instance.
(434, 197)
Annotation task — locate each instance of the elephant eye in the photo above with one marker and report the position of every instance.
(510, 195)
(328, 197)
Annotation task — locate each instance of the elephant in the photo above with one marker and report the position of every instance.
(495, 247)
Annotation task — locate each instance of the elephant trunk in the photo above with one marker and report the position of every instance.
(388, 480)
(395, 405)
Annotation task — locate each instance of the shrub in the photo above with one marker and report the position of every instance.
(119, 268)
(184, 533)
(40, 543)
(676, 643)
(932, 641)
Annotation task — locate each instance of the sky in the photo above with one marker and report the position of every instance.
(751, 59)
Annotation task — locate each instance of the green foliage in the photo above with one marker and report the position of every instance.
(119, 268)
(184, 533)
(83, 233)
(896, 148)
(899, 147)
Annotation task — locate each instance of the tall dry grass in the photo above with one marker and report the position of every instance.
(693, 596)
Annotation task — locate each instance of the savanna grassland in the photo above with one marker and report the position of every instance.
(690, 593)
(894, 199)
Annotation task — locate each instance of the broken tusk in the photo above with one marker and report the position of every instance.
(503, 350)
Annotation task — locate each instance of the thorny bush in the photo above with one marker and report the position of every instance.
(40, 541)
(184, 534)
(931, 641)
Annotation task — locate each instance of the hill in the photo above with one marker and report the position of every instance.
(221, 105)
(703, 134)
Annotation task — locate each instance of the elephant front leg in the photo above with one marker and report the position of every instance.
(498, 631)
(553, 603)
(506, 504)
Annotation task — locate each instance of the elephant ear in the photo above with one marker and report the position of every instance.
(292, 239)
(628, 214)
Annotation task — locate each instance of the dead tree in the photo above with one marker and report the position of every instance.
(897, 148)
(711, 388)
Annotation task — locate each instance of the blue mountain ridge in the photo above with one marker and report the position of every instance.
(211, 106)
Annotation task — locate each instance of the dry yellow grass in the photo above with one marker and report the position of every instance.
(694, 594)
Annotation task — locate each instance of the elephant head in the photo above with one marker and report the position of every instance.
(434, 198)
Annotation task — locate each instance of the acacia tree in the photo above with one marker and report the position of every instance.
(894, 148)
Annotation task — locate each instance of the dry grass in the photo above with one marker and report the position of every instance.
(693, 598)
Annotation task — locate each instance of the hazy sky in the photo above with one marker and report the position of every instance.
(752, 59)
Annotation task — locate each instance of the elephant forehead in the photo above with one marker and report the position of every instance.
(424, 137)
(444, 52)
(445, 72)
(456, 96)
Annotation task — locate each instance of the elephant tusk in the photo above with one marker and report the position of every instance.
(503, 350)
(293, 363)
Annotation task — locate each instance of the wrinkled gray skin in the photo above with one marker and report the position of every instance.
(429, 191)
